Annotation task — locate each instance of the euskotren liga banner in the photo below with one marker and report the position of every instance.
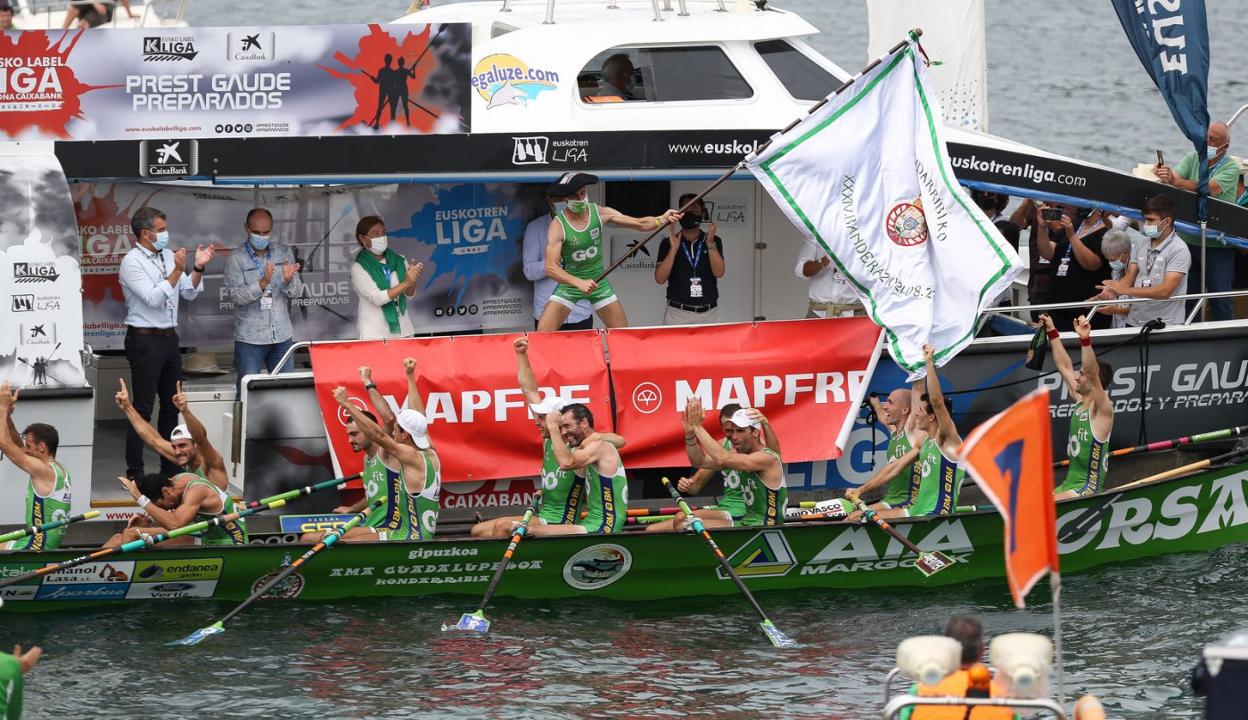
(169, 83)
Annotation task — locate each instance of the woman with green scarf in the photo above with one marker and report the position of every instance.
(384, 281)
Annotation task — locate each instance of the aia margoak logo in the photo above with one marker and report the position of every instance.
(38, 88)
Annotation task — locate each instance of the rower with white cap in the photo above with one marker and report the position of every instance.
(413, 471)
(758, 468)
(188, 445)
(562, 490)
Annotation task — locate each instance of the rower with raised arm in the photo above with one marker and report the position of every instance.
(188, 445)
(562, 490)
(898, 412)
(578, 447)
(759, 469)
(1092, 420)
(730, 510)
(33, 451)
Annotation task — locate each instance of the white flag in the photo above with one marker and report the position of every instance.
(867, 176)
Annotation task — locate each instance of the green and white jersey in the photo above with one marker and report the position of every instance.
(607, 498)
(1089, 456)
(582, 249)
(42, 509)
(940, 483)
(10, 687)
(425, 503)
(733, 499)
(379, 482)
(763, 506)
(562, 490)
(903, 490)
(233, 532)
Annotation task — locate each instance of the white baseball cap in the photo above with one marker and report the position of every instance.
(416, 425)
(180, 433)
(743, 419)
(547, 405)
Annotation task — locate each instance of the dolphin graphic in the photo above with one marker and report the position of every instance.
(507, 95)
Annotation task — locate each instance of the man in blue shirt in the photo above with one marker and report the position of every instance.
(153, 280)
(582, 316)
(260, 279)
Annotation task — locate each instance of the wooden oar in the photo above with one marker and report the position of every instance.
(476, 621)
(1174, 442)
(330, 538)
(928, 563)
(253, 507)
(35, 529)
(776, 637)
(1092, 517)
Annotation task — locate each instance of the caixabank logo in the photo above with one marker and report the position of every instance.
(168, 48)
(248, 46)
(168, 158)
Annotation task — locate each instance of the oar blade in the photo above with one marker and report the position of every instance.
(776, 637)
(200, 635)
(930, 563)
(475, 622)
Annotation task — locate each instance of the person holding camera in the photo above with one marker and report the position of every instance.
(1076, 268)
(690, 262)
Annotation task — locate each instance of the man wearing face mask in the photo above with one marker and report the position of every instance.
(260, 278)
(690, 263)
(1223, 180)
(1158, 269)
(153, 280)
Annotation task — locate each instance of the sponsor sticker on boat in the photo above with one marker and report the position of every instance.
(93, 573)
(83, 591)
(767, 554)
(18, 592)
(163, 571)
(597, 566)
(171, 590)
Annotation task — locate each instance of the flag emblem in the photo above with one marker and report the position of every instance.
(906, 225)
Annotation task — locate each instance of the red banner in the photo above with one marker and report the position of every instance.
(477, 415)
(807, 376)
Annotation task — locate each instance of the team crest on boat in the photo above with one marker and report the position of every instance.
(597, 566)
(767, 554)
(905, 224)
(287, 589)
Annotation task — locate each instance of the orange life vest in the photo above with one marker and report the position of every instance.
(956, 685)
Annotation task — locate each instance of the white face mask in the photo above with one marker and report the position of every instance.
(378, 245)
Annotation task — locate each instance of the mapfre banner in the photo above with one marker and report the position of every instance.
(807, 376)
(166, 84)
(477, 416)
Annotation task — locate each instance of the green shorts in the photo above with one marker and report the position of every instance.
(568, 296)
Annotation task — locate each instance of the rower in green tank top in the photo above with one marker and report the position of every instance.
(12, 668)
(405, 467)
(188, 445)
(897, 413)
(563, 493)
(173, 502)
(730, 509)
(577, 447)
(33, 451)
(940, 476)
(758, 467)
(575, 255)
(1091, 419)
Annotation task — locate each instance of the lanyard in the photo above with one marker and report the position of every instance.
(159, 266)
(252, 254)
(693, 258)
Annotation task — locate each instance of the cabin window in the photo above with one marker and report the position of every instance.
(662, 74)
(802, 77)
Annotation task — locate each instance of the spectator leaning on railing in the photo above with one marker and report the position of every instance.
(1158, 268)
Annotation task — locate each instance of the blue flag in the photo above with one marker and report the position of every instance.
(1171, 37)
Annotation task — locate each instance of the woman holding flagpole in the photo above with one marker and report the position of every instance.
(383, 280)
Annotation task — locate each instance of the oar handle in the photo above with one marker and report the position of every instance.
(882, 524)
(36, 529)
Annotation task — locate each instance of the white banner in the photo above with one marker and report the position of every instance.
(956, 41)
(868, 177)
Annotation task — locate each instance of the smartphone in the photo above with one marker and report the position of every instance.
(1161, 160)
(1051, 213)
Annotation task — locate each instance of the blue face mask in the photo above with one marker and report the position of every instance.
(259, 242)
(162, 240)
(1117, 265)
(1150, 231)
(1212, 152)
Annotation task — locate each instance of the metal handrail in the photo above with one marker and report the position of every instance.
(1118, 301)
(901, 702)
(888, 683)
(290, 352)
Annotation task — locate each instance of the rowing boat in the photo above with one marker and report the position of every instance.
(1197, 512)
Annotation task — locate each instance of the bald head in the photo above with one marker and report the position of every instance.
(1219, 136)
(897, 406)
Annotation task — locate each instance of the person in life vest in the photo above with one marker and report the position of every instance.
(972, 680)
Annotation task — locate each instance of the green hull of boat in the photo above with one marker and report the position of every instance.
(1195, 513)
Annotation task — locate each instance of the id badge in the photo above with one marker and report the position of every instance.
(1146, 282)
(695, 287)
(1063, 268)
(266, 302)
(169, 304)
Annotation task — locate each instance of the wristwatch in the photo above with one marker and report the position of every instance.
(370, 386)
(198, 268)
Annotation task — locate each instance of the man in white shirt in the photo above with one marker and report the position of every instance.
(1158, 268)
(830, 293)
(582, 317)
(153, 280)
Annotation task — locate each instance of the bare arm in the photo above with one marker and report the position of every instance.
(524, 371)
(413, 393)
(214, 464)
(694, 485)
(916, 406)
(610, 438)
(1060, 358)
(663, 269)
(554, 253)
(753, 462)
(12, 448)
(878, 409)
(382, 408)
(713, 252)
(148, 434)
(1044, 244)
(368, 427)
(611, 216)
(1101, 405)
(885, 475)
(569, 459)
(181, 516)
(946, 431)
(769, 435)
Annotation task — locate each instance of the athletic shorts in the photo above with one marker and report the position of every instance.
(568, 296)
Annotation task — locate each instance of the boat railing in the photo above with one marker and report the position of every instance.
(1191, 317)
(899, 703)
(50, 8)
(614, 5)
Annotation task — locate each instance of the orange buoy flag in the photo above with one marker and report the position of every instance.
(1011, 458)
